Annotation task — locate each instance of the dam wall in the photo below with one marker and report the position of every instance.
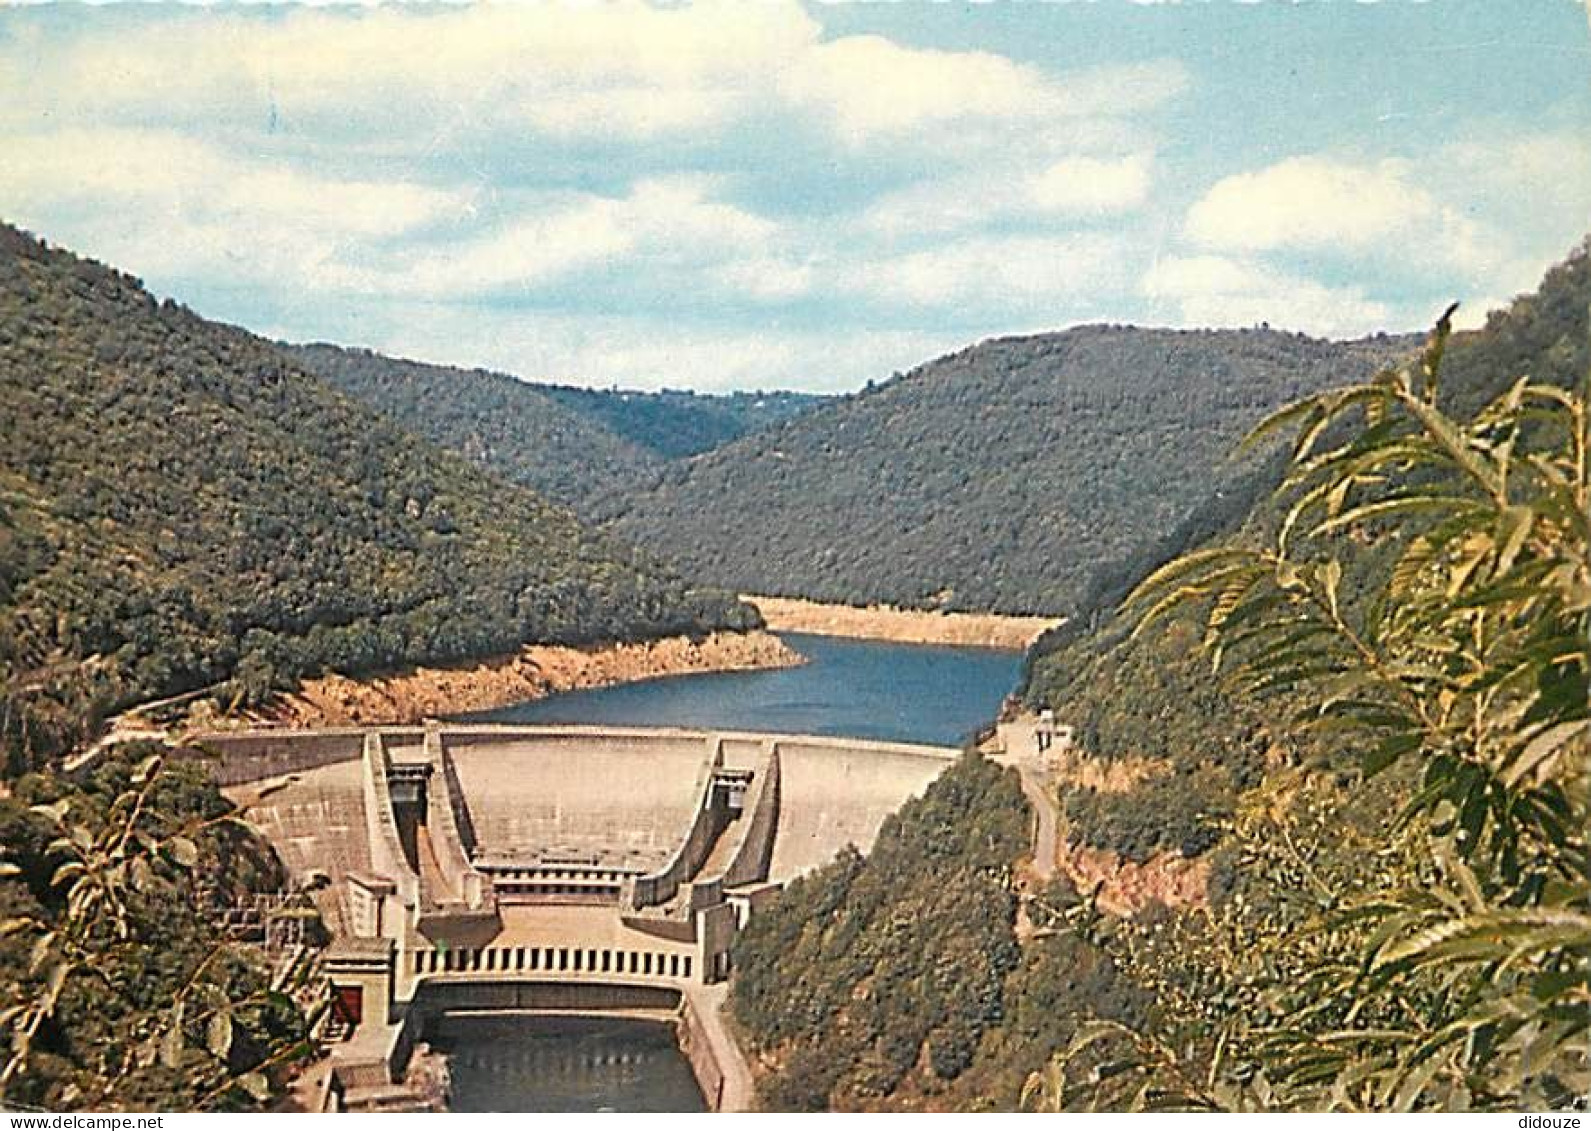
(555, 868)
(582, 797)
(255, 755)
(748, 861)
(386, 847)
(444, 807)
(317, 826)
(701, 1053)
(709, 821)
(834, 792)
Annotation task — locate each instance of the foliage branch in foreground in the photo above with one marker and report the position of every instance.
(117, 988)
(1458, 978)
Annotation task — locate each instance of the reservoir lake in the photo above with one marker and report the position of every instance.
(860, 688)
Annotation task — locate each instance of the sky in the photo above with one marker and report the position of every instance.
(777, 195)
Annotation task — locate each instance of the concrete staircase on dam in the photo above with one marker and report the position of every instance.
(475, 866)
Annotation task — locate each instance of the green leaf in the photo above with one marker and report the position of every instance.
(172, 1046)
(1542, 747)
(218, 1035)
(1384, 755)
(183, 851)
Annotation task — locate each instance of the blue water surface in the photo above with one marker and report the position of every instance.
(861, 688)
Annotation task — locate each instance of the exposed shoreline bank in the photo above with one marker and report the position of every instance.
(901, 626)
(539, 670)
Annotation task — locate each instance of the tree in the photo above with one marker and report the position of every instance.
(117, 989)
(1426, 597)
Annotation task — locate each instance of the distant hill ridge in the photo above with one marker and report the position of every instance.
(1001, 478)
(566, 442)
(181, 498)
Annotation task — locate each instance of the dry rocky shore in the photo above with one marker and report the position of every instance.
(539, 670)
(903, 626)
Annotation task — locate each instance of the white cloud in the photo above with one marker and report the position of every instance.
(1548, 174)
(767, 278)
(1211, 290)
(1320, 205)
(1469, 220)
(1005, 274)
(628, 70)
(1072, 187)
(962, 103)
(1091, 185)
(165, 205)
(1534, 187)
(870, 85)
(459, 174)
(177, 176)
(663, 224)
(625, 68)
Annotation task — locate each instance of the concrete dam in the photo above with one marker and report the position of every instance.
(557, 869)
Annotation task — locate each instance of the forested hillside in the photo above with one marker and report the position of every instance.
(1003, 477)
(1152, 696)
(675, 423)
(1379, 724)
(565, 442)
(183, 502)
(898, 980)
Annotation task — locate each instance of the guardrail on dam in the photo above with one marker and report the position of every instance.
(453, 863)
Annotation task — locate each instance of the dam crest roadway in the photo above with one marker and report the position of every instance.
(560, 869)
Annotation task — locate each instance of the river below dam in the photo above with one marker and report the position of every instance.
(583, 1064)
(863, 688)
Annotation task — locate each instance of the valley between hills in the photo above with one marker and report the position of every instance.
(1318, 702)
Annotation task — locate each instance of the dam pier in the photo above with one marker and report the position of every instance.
(548, 869)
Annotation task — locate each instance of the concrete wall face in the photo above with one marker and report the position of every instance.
(708, 822)
(255, 755)
(445, 806)
(759, 818)
(615, 802)
(387, 858)
(318, 828)
(833, 793)
(628, 858)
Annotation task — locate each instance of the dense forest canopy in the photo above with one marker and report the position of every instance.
(678, 423)
(1003, 477)
(1151, 695)
(566, 443)
(1366, 691)
(903, 980)
(181, 500)
(1419, 603)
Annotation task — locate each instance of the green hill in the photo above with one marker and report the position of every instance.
(183, 500)
(565, 442)
(1154, 696)
(998, 478)
(1366, 943)
(678, 423)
